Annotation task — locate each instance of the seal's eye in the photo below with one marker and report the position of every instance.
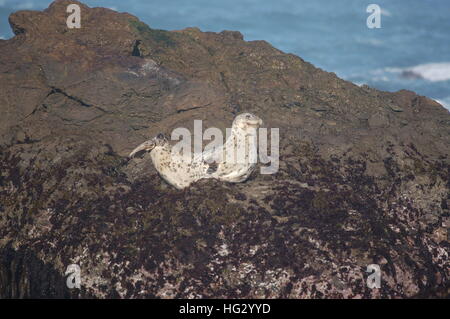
(248, 117)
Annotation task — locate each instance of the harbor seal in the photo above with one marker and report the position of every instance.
(233, 162)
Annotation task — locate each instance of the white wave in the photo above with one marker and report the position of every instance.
(433, 72)
(445, 102)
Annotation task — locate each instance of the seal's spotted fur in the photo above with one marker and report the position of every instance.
(180, 171)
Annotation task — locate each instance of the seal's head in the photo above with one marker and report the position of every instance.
(245, 121)
(149, 145)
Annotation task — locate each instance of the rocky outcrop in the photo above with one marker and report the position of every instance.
(363, 178)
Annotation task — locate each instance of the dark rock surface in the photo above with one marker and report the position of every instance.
(364, 174)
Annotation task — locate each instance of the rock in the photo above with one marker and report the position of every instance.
(395, 108)
(408, 74)
(320, 108)
(355, 186)
(378, 120)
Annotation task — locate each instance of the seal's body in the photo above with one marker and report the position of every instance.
(234, 162)
(178, 171)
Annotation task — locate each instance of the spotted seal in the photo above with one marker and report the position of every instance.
(233, 162)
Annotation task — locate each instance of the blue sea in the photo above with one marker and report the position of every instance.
(410, 51)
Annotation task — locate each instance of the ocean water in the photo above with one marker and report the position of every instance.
(410, 51)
